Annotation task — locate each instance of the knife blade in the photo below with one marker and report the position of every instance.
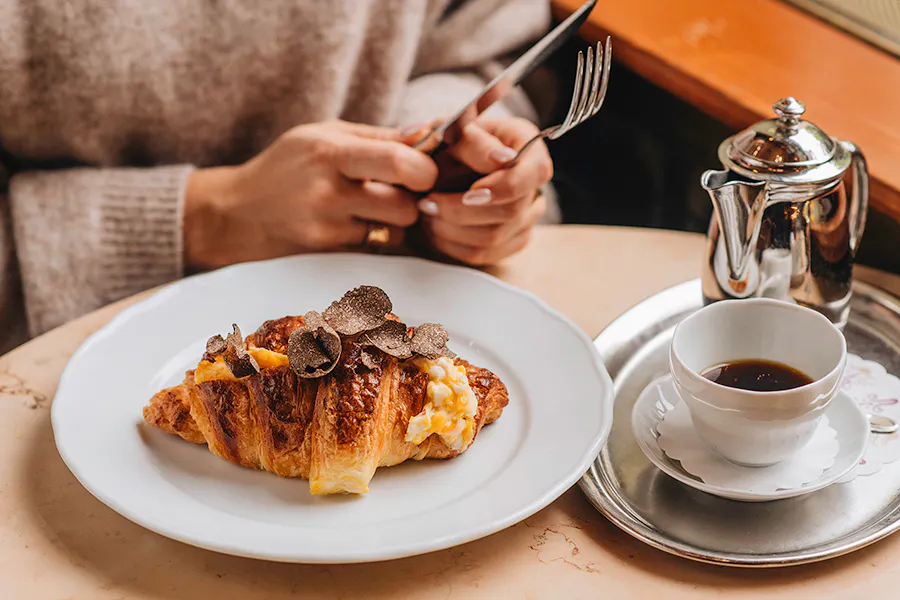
(449, 132)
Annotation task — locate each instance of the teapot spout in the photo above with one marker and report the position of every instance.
(739, 205)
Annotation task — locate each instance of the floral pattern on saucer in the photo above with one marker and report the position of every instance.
(877, 392)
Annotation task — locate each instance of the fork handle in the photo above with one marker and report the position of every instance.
(523, 149)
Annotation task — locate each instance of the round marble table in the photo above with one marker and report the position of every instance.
(57, 541)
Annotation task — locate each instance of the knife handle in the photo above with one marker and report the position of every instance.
(453, 176)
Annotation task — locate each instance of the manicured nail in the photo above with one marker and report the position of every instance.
(502, 155)
(477, 197)
(429, 207)
(412, 129)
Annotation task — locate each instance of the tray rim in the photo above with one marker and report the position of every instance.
(595, 486)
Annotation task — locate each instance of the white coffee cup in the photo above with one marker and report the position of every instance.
(748, 427)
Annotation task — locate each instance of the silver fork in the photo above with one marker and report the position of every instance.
(591, 82)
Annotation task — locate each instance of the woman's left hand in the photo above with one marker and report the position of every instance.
(495, 217)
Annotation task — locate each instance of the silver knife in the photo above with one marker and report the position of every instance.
(449, 132)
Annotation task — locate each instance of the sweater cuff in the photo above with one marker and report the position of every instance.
(88, 237)
(141, 238)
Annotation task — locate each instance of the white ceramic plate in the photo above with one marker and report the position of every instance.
(660, 396)
(559, 415)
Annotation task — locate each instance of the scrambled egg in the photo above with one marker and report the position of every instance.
(267, 359)
(451, 407)
(211, 371)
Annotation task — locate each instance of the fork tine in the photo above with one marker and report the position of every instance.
(595, 88)
(573, 106)
(588, 93)
(607, 64)
(585, 89)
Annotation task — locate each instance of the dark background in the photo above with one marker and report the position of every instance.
(638, 162)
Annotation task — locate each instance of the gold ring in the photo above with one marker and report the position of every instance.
(377, 236)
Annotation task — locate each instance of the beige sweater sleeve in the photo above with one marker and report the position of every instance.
(464, 49)
(86, 237)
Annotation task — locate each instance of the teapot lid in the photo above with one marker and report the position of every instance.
(786, 148)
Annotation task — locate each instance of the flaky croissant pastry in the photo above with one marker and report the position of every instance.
(299, 399)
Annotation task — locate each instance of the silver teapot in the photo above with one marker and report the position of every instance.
(790, 209)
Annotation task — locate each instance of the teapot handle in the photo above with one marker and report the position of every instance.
(859, 201)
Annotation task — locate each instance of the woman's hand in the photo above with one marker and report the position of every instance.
(495, 217)
(315, 188)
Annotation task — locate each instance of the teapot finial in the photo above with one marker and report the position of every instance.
(789, 111)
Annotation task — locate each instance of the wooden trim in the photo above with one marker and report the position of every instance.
(734, 58)
(837, 17)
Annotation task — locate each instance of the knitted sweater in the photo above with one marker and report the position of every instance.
(106, 106)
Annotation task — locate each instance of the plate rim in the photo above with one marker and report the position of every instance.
(572, 475)
(595, 487)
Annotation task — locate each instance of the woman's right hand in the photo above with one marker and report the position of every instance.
(315, 188)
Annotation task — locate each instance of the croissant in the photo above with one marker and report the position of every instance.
(370, 410)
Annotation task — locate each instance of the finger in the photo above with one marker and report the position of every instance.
(512, 131)
(414, 134)
(408, 135)
(481, 257)
(388, 162)
(351, 233)
(395, 236)
(379, 203)
(450, 207)
(417, 132)
(329, 235)
(486, 236)
(481, 151)
(477, 236)
(533, 170)
(372, 132)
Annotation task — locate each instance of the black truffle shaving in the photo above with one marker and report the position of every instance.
(236, 357)
(430, 340)
(390, 337)
(313, 350)
(215, 346)
(360, 309)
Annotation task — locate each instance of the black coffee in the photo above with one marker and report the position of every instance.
(757, 375)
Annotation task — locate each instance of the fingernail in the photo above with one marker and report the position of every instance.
(429, 207)
(411, 129)
(502, 155)
(477, 197)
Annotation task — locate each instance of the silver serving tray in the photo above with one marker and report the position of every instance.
(651, 506)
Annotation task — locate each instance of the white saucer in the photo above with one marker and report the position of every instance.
(659, 397)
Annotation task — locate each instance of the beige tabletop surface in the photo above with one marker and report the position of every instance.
(57, 541)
